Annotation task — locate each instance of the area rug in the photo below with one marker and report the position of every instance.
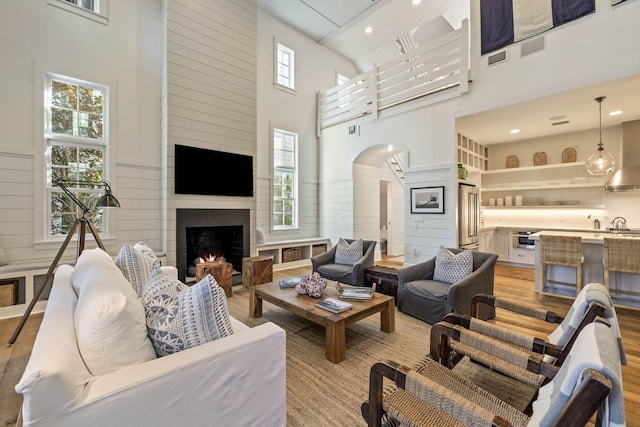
(321, 393)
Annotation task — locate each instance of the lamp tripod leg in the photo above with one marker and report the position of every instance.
(47, 280)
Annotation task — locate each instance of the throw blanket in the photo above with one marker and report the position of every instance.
(594, 348)
(592, 292)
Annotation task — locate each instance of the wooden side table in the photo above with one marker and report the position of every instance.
(257, 270)
(220, 270)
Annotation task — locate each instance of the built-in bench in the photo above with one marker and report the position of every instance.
(293, 253)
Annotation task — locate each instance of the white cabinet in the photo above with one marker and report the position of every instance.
(501, 242)
(522, 256)
(485, 238)
(293, 253)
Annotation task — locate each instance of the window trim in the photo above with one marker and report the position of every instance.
(296, 195)
(292, 74)
(100, 16)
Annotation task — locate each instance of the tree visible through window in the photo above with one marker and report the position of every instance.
(76, 150)
(284, 179)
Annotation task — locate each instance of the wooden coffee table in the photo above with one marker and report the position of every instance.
(304, 306)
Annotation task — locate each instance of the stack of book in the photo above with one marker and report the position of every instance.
(289, 282)
(334, 305)
(357, 294)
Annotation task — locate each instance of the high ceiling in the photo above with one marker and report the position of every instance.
(339, 25)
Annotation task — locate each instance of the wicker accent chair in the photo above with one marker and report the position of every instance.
(324, 264)
(428, 300)
(593, 301)
(430, 394)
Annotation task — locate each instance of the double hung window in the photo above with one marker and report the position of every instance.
(76, 151)
(285, 66)
(285, 192)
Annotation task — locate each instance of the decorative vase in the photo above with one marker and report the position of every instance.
(312, 285)
(462, 171)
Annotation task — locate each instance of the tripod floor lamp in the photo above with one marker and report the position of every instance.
(107, 200)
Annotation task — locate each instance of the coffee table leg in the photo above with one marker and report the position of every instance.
(335, 331)
(388, 317)
(255, 304)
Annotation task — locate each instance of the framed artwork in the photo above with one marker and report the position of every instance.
(427, 200)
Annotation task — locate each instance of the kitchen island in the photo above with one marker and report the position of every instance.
(623, 287)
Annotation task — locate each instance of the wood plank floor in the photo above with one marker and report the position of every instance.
(510, 282)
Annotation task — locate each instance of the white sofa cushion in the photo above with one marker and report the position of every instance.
(109, 319)
(137, 262)
(181, 318)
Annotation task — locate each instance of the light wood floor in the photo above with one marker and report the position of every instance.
(510, 282)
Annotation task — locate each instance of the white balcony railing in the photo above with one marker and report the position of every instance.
(440, 65)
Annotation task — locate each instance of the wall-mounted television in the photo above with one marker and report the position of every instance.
(212, 173)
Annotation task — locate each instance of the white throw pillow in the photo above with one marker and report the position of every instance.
(348, 254)
(109, 319)
(181, 319)
(137, 263)
(452, 268)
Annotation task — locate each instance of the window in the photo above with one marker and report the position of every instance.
(76, 150)
(285, 179)
(86, 4)
(285, 66)
(96, 10)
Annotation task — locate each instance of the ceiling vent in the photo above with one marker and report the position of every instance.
(532, 46)
(564, 122)
(497, 57)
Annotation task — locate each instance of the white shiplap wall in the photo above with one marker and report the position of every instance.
(426, 232)
(210, 97)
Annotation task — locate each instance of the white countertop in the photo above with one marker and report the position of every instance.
(595, 236)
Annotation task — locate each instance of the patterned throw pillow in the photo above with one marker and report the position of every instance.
(181, 318)
(348, 254)
(452, 268)
(137, 263)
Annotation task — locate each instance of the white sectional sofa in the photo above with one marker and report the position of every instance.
(238, 380)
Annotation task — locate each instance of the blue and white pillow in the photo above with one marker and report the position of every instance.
(181, 318)
(137, 263)
(452, 268)
(348, 254)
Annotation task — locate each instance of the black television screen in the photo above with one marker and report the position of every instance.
(212, 173)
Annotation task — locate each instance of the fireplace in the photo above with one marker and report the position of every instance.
(211, 232)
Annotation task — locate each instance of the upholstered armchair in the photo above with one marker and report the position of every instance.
(351, 274)
(429, 300)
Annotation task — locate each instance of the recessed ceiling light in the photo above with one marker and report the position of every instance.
(615, 113)
(416, 2)
(515, 131)
(368, 29)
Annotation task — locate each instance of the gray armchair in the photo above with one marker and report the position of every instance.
(422, 297)
(349, 274)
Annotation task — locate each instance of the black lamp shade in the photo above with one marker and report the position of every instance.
(108, 200)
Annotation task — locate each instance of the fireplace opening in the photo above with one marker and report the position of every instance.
(223, 243)
(216, 232)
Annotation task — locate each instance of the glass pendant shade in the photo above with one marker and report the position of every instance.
(600, 162)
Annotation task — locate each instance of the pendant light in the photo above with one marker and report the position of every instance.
(600, 162)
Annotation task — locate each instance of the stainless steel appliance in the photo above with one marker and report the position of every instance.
(522, 239)
(468, 215)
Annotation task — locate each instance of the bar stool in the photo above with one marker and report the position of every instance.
(621, 255)
(561, 251)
